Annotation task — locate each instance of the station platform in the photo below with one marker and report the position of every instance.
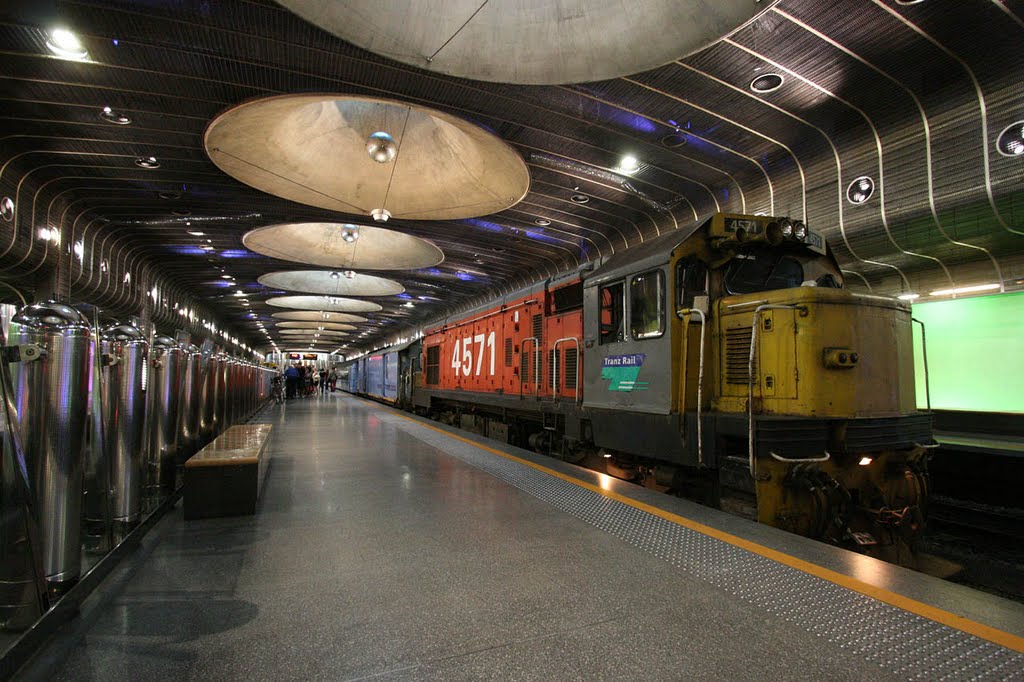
(393, 548)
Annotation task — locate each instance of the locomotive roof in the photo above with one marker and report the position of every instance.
(648, 254)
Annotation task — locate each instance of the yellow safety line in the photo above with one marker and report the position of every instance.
(1005, 639)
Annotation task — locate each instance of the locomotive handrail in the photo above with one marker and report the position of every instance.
(700, 382)
(554, 366)
(536, 363)
(750, 376)
(924, 357)
(827, 456)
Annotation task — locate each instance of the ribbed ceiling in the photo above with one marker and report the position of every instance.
(913, 97)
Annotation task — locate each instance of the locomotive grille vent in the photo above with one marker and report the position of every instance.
(737, 356)
(538, 328)
(571, 361)
(524, 371)
(508, 352)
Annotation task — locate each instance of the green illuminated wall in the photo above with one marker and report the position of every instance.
(975, 353)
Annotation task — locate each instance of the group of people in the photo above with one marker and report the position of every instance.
(304, 380)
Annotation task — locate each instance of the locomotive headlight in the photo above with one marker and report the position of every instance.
(787, 227)
(799, 230)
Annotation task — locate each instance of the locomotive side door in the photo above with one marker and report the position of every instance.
(627, 343)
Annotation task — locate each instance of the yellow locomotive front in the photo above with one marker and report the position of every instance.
(814, 388)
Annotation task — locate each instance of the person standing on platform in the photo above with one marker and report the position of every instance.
(315, 378)
(323, 381)
(333, 379)
(291, 381)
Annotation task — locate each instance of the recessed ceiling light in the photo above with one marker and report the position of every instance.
(7, 209)
(147, 162)
(195, 233)
(674, 140)
(860, 190)
(908, 2)
(226, 277)
(579, 198)
(170, 196)
(542, 222)
(767, 82)
(66, 44)
(181, 212)
(206, 247)
(111, 116)
(1011, 140)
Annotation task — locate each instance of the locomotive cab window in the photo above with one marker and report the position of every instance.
(611, 313)
(691, 281)
(762, 270)
(646, 305)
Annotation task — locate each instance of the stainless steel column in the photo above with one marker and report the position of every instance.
(165, 386)
(52, 396)
(189, 424)
(125, 351)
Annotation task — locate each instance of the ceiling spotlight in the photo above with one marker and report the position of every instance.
(381, 215)
(226, 277)
(104, 266)
(767, 82)
(628, 165)
(349, 233)
(147, 162)
(860, 190)
(1011, 140)
(381, 147)
(196, 234)
(335, 275)
(66, 44)
(170, 196)
(206, 247)
(579, 198)
(112, 116)
(673, 140)
(7, 209)
(350, 274)
(181, 212)
(543, 222)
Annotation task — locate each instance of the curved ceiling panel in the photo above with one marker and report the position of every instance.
(312, 332)
(331, 304)
(529, 41)
(319, 150)
(333, 326)
(331, 283)
(318, 316)
(343, 246)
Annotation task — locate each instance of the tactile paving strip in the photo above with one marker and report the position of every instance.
(899, 641)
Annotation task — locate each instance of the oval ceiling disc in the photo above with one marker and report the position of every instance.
(313, 316)
(306, 350)
(344, 246)
(310, 333)
(314, 149)
(536, 42)
(333, 326)
(331, 304)
(331, 283)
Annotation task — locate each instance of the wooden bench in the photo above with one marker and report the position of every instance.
(226, 477)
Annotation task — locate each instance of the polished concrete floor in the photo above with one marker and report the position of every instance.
(377, 555)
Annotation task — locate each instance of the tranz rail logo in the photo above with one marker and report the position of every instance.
(621, 372)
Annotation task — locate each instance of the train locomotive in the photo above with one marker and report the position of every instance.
(725, 361)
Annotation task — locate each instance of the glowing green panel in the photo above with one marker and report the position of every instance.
(975, 353)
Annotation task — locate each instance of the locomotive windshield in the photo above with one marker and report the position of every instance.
(763, 270)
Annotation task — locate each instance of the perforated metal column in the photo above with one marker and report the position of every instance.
(898, 641)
